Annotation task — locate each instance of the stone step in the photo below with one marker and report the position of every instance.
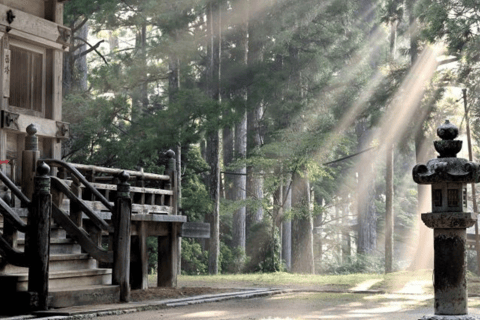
(61, 262)
(84, 295)
(56, 232)
(57, 246)
(59, 279)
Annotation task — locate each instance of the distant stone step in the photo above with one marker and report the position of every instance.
(57, 246)
(56, 232)
(59, 279)
(61, 262)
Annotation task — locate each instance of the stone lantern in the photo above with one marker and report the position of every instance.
(448, 176)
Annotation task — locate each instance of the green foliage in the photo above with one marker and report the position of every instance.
(196, 203)
(313, 71)
(357, 264)
(472, 263)
(194, 260)
(232, 260)
(152, 250)
(266, 249)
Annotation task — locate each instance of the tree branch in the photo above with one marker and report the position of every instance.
(80, 25)
(92, 48)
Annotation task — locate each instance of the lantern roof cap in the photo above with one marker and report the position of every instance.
(447, 167)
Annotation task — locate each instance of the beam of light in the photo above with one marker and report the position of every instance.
(400, 112)
(335, 91)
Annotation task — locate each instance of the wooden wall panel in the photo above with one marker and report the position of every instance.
(35, 7)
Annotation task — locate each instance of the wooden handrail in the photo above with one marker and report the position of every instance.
(12, 217)
(12, 255)
(148, 176)
(76, 173)
(80, 236)
(94, 218)
(16, 191)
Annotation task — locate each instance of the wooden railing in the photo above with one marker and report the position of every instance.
(110, 193)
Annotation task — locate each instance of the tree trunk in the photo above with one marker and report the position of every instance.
(213, 142)
(255, 114)
(302, 227)
(423, 257)
(287, 226)
(346, 240)
(240, 179)
(240, 182)
(228, 142)
(81, 63)
(318, 246)
(366, 212)
(393, 39)
(409, 4)
(389, 211)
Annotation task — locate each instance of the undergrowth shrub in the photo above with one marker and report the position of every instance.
(232, 260)
(194, 261)
(265, 249)
(359, 263)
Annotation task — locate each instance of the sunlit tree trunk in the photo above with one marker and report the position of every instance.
(346, 240)
(423, 257)
(81, 62)
(213, 141)
(227, 145)
(317, 237)
(389, 150)
(287, 225)
(240, 179)
(302, 226)
(389, 211)
(173, 87)
(366, 211)
(255, 114)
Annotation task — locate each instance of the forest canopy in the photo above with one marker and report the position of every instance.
(295, 124)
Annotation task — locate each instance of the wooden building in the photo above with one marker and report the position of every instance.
(56, 222)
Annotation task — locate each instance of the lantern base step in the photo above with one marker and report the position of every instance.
(445, 317)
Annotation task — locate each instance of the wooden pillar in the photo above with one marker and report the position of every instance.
(121, 238)
(75, 211)
(37, 242)
(171, 171)
(168, 256)
(139, 268)
(29, 160)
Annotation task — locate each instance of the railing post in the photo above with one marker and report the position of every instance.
(29, 161)
(171, 171)
(76, 213)
(37, 244)
(121, 238)
(139, 268)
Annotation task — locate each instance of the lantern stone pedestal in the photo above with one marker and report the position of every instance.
(448, 176)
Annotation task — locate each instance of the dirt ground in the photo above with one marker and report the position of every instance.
(306, 305)
(173, 293)
(411, 302)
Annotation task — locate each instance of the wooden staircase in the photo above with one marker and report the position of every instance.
(74, 213)
(74, 277)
